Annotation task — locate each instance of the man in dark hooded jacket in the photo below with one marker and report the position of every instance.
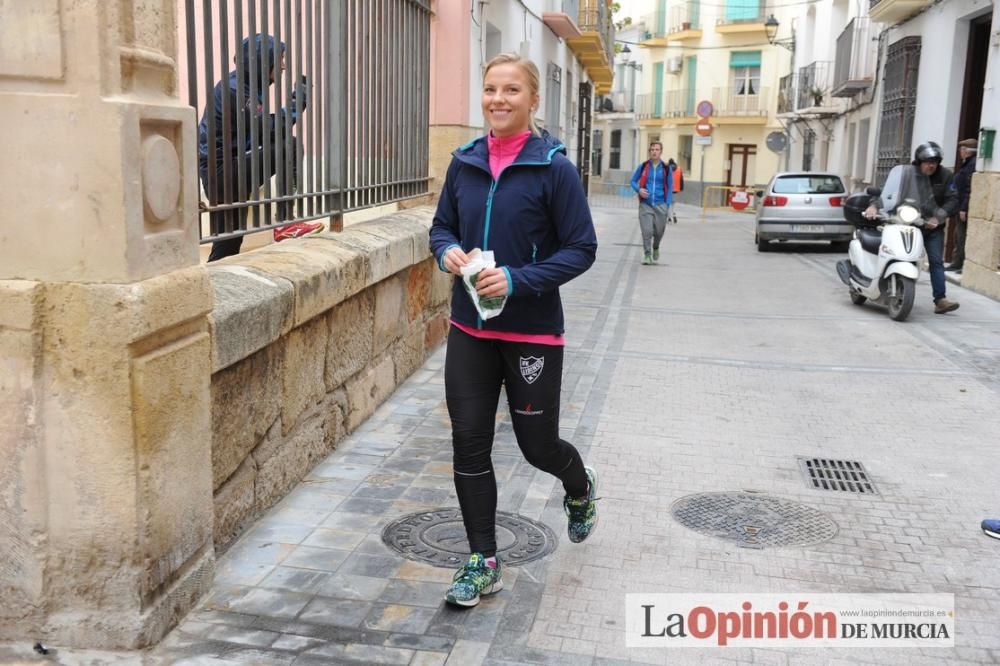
(963, 183)
(220, 160)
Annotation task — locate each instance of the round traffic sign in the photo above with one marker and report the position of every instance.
(703, 128)
(777, 142)
(739, 199)
(705, 108)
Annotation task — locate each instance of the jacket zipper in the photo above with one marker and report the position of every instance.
(489, 212)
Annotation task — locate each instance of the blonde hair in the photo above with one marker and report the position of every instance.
(530, 71)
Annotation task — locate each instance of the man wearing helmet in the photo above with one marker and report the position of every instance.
(932, 187)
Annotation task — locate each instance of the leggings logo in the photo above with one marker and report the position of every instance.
(531, 368)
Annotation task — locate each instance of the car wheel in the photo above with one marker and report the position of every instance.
(763, 245)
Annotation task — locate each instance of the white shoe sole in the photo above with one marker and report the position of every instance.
(495, 587)
(991, 533)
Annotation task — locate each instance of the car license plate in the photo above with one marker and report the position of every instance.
(808, 228)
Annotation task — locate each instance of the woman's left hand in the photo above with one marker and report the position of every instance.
(492, 282)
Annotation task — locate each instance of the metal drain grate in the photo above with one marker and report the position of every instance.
(846, 476)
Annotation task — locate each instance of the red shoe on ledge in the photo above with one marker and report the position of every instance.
(297, 230)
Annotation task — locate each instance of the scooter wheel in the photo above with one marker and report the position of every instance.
(900, 306)
(858, 299)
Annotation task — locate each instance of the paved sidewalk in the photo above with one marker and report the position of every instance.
(708, 372)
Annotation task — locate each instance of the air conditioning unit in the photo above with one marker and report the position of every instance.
(675, 64)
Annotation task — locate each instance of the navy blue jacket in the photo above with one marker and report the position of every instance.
(242, 102)
(534, 217)
(963, 182)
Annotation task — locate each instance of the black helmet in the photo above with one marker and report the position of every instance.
(928, 152)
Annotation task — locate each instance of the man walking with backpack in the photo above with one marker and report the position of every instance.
(653, 182)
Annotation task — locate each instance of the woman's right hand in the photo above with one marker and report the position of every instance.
(454, 259)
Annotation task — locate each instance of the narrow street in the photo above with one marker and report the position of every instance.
(709, 372)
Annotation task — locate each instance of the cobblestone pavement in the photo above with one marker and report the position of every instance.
(708, 372)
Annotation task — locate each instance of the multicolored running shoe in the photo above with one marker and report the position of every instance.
(475, 578)
(582, 512)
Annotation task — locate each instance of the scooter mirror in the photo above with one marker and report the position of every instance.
(873, 191)
(908, 214)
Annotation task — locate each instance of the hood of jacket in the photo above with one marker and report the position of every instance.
(257, 47)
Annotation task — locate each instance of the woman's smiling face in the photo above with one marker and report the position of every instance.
(508, 100)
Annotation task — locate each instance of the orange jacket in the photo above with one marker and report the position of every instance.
(678, 177)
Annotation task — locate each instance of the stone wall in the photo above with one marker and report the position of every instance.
(982, 244)
(308, 338)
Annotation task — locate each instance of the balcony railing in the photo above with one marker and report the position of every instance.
(595, 16)
(646, 106)
(685, 17)
(733, 102)
(786, 94)
(854, 70)
(617, 101)
(738, 12)
(679, 103)
(815, 81)
(656, 25)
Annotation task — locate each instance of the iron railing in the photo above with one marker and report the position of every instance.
(617, 101)
(612, 195)
(648, 106)
(854, 70)
(814, 84)
(743, 11)
(786, 93)
(685, 17)
(595, 16)
(308, 108)
(679, 103)
(657, 24)
(734, 102)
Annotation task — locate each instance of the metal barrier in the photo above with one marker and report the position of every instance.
(612, 195)
(308, 108)
(738, 199)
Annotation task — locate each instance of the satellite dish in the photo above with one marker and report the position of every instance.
(777, 142)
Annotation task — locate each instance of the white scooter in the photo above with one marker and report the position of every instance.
(882, 259)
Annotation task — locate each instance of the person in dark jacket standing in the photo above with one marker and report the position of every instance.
(677, 181)
(514, 193)
(932, 187)
(225, 152)
(963, 183)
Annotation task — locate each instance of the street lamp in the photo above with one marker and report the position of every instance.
(626, 53)
(771, 29)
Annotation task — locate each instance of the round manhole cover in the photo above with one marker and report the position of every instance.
(437, 537)
(754, 521)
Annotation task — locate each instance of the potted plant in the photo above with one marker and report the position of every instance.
(817, 95)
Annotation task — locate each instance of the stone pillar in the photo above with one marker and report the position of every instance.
(105, 485)
(981, 270)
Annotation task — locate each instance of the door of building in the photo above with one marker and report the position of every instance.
(742, 164)
(977, 54)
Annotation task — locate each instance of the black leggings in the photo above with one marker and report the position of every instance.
(475, 369)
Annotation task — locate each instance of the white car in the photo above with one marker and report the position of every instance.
(800, 206)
